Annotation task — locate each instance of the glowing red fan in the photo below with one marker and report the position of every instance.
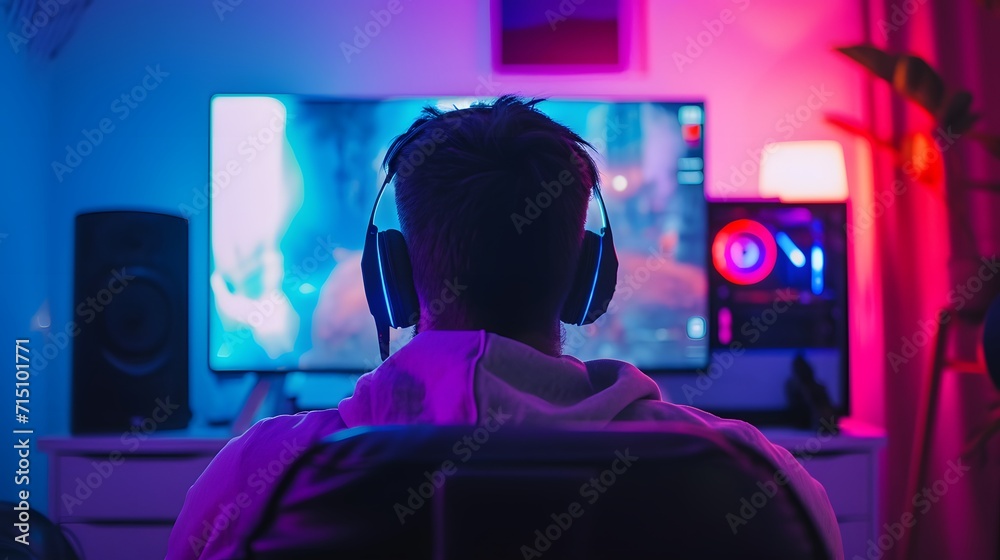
(744, 252)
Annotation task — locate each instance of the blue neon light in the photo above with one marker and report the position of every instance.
(385, 290)
(795, 254)
(593, 285)
(817, 269)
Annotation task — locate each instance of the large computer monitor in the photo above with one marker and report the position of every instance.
(293, 182)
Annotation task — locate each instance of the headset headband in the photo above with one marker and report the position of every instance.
(390, 172)
(596, 275)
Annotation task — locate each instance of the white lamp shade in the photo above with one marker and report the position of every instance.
(808, 171)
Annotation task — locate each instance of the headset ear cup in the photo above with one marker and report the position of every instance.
(607, 279)
(398, 273)
(371, 273)
(595, 281)
(574, 310)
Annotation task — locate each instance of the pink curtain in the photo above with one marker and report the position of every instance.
(953, 516)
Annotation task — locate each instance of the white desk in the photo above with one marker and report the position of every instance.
(119, 501)
(848, 467)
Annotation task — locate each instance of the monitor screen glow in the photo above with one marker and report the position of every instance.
(293, 182)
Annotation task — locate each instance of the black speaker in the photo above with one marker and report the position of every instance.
(130, 307)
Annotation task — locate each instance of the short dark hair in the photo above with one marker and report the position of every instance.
(494, 198)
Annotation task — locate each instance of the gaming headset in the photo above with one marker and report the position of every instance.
(388, 273)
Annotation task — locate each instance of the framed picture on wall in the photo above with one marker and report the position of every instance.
(560, 36)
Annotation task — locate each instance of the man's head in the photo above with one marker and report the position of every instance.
(492, 202)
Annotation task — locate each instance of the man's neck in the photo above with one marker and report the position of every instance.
(547, 342)
(544, 343)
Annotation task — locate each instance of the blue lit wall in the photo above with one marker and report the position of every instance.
(24, 229)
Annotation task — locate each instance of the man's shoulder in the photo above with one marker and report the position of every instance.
(664, 410)
(735, 430)
(310, 422)
(280, 437)
(228, 497)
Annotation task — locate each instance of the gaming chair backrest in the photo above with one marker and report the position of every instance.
(466, 492)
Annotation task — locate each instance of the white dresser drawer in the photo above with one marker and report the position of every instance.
(855, 536)
(138, 488)
(119, 542)
(848, 482)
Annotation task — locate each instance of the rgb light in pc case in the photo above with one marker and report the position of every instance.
(778, 275)
(744, 252)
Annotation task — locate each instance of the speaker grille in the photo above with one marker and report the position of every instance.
(131, 306)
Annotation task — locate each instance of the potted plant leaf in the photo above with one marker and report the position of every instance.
(933, 158)
(930, 158)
